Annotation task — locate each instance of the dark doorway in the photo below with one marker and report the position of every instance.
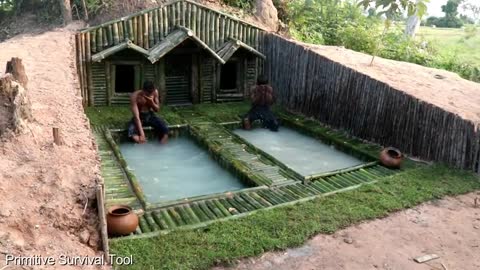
(228, 76)
(124, 78)
(177, 79)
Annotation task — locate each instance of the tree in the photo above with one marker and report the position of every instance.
(415, 8)
(66, 11)
(451, 9)
(474, 9)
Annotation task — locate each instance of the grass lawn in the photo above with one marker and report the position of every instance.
(453, 41)
(290, 226)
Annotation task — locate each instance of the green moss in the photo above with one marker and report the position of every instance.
(291, 226)
(119, 116)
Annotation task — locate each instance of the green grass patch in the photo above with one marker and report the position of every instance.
(291, 226)
(223, 112)
(119, 116)
(454, 41)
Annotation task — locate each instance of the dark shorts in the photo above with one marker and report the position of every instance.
(148, 119)
(265, 115)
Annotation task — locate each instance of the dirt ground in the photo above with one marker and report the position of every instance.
(44, 187)
(439, 87)
(449, 228)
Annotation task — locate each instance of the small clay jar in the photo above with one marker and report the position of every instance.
(121, 220)
(246, 124)
(391, 157)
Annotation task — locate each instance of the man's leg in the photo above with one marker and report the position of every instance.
(252, 116)
(160, 128)
(132, 132)
(270, 121)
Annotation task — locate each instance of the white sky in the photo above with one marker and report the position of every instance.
(435, 7)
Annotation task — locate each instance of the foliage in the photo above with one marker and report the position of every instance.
(392, 8)
(280, 228)
(45, 10)
(445, 22)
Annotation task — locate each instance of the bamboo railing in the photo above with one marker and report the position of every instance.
(147, 28)
(307, 82)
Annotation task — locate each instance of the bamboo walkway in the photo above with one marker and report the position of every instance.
(117, 187)
(235, 205)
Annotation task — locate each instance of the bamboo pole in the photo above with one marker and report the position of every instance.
(116, 37)
(99, 40)
(156, 28)
(103, 222)
(104, 37)
(151, 38)
(217, 31)
(166, 29)
(131, 33)
(145, 31)
(161, 29)
(183, 13)
(121, 32)
(193, 19)
(89, 68)
(78, 62)
(136, 34)
(140, 31)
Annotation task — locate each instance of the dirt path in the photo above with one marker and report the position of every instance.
(449, 228)
(44, 187)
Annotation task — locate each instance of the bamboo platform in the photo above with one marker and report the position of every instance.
(273, 184)
(235, 205)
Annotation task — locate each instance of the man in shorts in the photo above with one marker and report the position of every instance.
(144, 104)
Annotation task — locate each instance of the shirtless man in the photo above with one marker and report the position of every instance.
(144, 104)
(262, 97)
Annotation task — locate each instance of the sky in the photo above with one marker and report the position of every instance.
(435, 7)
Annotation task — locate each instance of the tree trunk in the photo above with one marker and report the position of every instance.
(66, 11)
(16, 68)
(413, 23)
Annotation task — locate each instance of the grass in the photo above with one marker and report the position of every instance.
(280, 228)
(453, 41)
(119, 116)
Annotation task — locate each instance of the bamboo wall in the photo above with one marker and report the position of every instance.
(344, 98)
(148, 27)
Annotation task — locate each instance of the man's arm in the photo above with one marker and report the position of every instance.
(153, 102)
(136, 114)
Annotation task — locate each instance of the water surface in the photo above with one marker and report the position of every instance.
(176, 170)
(300, 152)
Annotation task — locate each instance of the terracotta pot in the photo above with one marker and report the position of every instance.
(121, 220)
(246, 124)
(391, 157)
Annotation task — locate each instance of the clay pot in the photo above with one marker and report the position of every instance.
(391, 157)
(121, 220)
(246, 124)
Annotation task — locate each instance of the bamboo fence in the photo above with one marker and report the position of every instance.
(309, 83)
(148, 27)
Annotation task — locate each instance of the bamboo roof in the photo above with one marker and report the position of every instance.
(230, 47)
(175, 38)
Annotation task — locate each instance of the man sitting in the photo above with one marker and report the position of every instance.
(262, 98)
(144, 104)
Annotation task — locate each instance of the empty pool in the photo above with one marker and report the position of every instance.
(301, 153)
(179, 169)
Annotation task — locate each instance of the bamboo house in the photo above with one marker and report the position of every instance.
(193, 54)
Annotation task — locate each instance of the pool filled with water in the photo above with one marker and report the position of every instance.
(300, 152)
(176, 170)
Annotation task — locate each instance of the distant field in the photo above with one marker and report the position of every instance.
(453, 41)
